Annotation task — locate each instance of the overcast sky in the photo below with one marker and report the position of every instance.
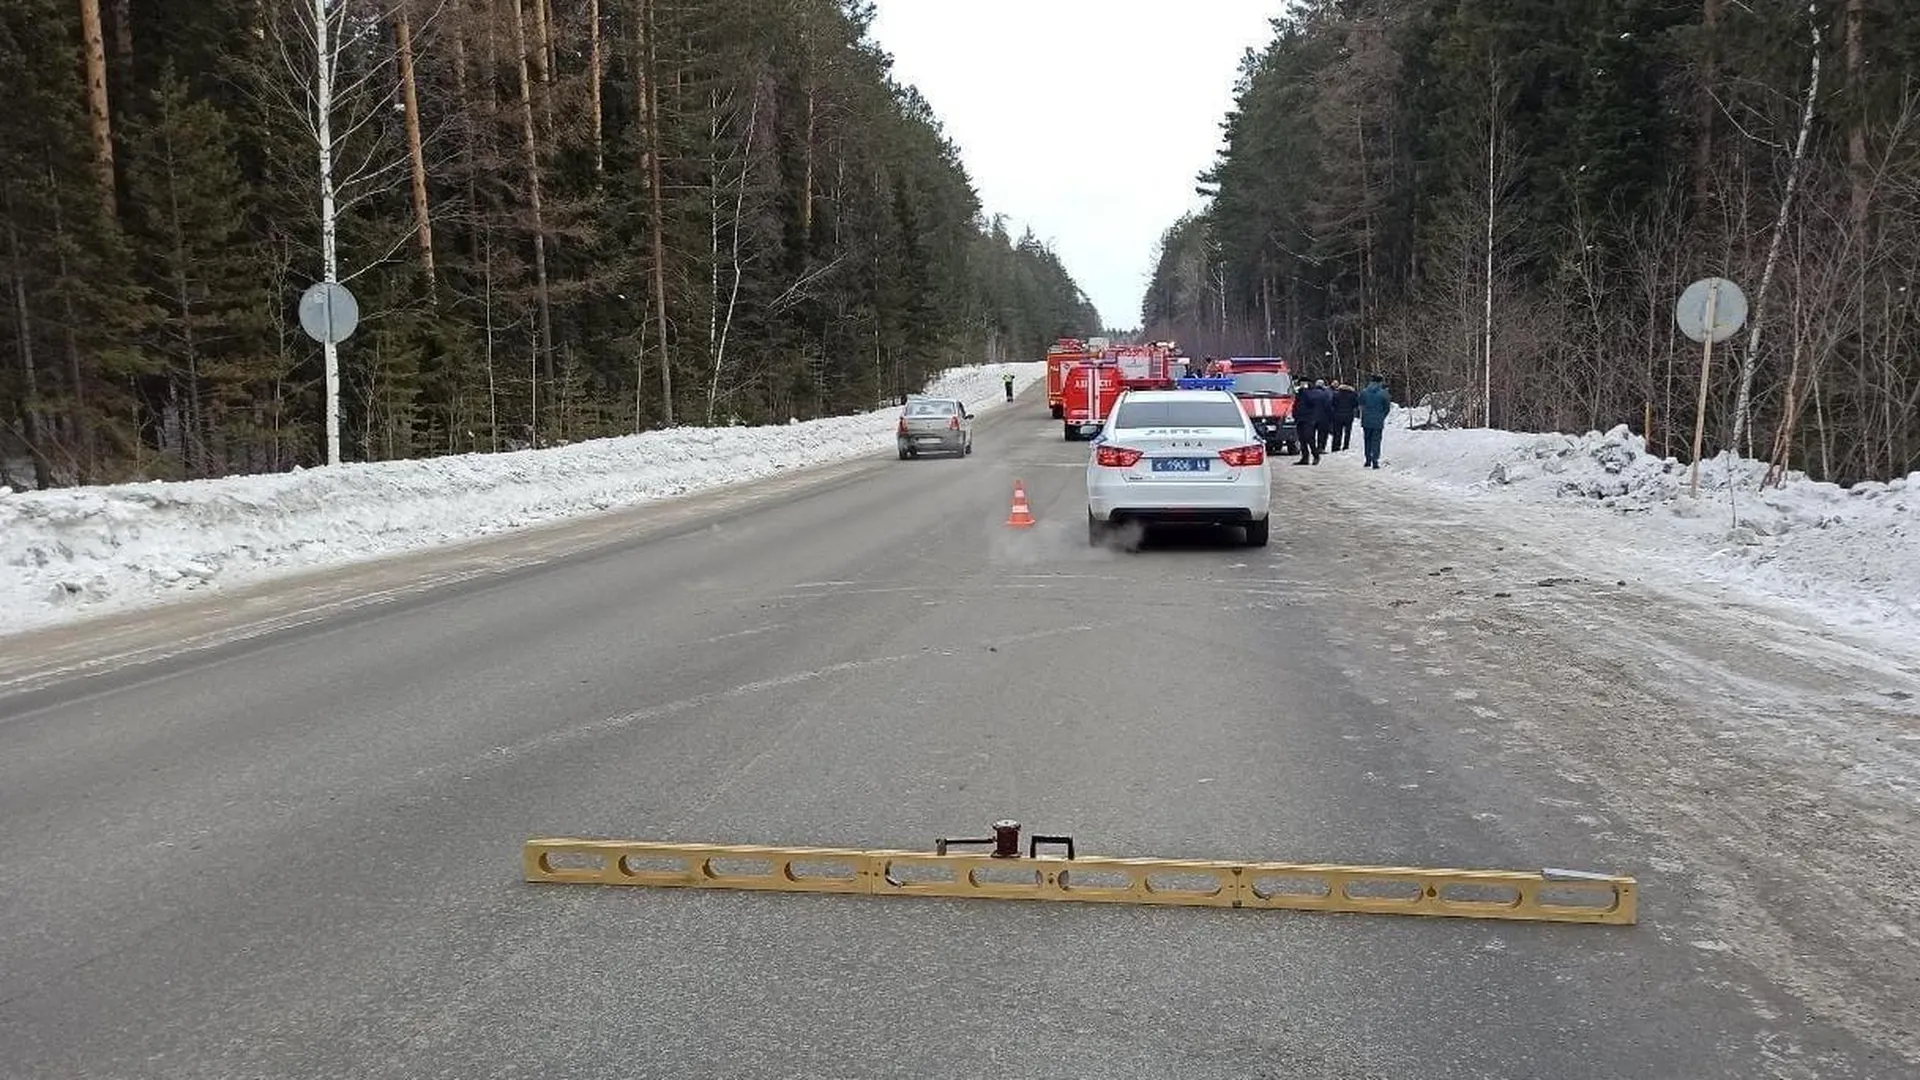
(1086, 119)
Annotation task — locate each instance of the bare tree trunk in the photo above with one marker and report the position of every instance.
(733, 299)
(1486, 326)
(595, 66)
(422, 217)
(469, 130)
(1266, 305)
(714, 180)
(326, 58)
(97, 115)
(486, 303)
(544, 13)
(1783, 438)
(1820, 427)
(650, 101)
(543, 66)
(122, 42)
(806, 170)
(1857, 167)
(1710, 14)
(1743, 400)
(493, 49)
(530, 146)
(29, 404)
(77, 374)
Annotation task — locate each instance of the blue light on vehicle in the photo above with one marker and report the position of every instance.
(1211, 382)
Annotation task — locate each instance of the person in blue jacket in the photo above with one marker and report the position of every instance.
(1375, 404)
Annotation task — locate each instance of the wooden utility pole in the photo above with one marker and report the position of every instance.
(422, 217)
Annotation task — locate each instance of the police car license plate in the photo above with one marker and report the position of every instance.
(1181, 464)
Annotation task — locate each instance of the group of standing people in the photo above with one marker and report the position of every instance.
(1324, 415)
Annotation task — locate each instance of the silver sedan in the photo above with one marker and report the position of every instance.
(935, 426)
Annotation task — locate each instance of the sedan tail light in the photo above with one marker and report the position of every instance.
(1241, 457)
(903, 426)
(1117, 457)
(953, 424)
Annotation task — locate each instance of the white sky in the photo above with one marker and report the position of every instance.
(1086, 120)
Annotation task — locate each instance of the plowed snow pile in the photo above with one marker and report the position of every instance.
(1851, 555)
(73, 552)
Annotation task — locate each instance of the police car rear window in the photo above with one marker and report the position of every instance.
(1192, 414)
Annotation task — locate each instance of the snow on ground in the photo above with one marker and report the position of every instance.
(77, 552)
(1849, 555)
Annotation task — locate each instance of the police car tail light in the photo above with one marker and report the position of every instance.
(1241, 457)
(1117, 457)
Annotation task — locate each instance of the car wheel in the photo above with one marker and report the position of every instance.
(1069, 432)
(968, 450)
(903, 453)
(1257, 532)
(1057, 411)
(1096, 531)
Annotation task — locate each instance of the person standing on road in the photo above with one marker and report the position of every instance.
(1006, 380)
(1312, 413)
(1375, 404)
(1346, 406)
(1325, 431)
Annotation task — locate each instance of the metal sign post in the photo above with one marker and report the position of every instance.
(1710, 311)
(329, 314)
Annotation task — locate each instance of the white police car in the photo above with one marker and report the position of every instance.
(1179, 456)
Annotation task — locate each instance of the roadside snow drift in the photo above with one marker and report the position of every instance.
(76, 552)
(1849, 554)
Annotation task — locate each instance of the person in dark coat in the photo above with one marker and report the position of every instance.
(1312, 415)
(1375, 404)
(1346, 406)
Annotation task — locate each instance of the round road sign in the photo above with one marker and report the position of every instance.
(1729, 310)
(328, 312)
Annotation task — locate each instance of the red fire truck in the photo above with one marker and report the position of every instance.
(1265, 389)
(1092, 387)
(1060, 359)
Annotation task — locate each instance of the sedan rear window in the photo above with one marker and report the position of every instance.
(932, 408)
(1179, 414)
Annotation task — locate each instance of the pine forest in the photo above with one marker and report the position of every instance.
(1497, 203)
(561, 219)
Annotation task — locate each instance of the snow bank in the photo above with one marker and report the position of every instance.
(1851, 554)
(75, 552)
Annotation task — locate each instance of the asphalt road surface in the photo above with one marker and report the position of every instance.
(277, 834)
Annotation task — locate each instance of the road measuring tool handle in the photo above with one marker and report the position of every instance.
(1005, 873)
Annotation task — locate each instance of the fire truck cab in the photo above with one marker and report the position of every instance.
(1264, 387)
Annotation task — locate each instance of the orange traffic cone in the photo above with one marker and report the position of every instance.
(1021, 517)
